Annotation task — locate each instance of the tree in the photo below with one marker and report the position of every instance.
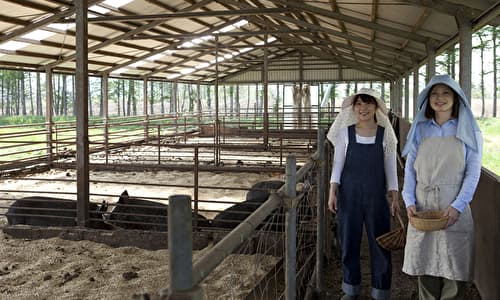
(184, 96)
(452, 61)
(101, 97)
(39, 108)
(131, 96)
(231, 99)
(124, 106)
(2, 89)
(22, 95)
(73, 95)
(483, 45)
(117, 86)
(7, 98)
(495, 71)
(198, 100)
(248, 100)
(237, 103)
(209, 100)
(348, 88)
(256, 98)
(173, 98)
(192, 97)
(64, 109)
(225, 99)
(90, 99)
(55, 94)
(151, 97)
(333, 92)
(30, 94)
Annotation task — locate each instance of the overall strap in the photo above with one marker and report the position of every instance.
(380, 135)
(351, 130)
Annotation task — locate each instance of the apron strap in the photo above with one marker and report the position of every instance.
(351, 130)
(380, 135)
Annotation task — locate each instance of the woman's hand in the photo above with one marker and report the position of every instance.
(411, 211)
(394, 203)
(452, 214)
(332, 199)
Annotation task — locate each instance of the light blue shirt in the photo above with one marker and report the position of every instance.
(430, 128)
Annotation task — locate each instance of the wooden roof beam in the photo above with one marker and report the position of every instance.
(408, 53)
(43, 22)
(446, 7)
(186, 14)
(348, 19)
(161, 50)
(124, 35)
(230, 33)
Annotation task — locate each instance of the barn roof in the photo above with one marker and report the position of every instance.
(181, 39)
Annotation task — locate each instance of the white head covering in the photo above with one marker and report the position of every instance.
(347, 117)
(467, 126)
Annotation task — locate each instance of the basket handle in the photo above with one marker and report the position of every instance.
(398, 215)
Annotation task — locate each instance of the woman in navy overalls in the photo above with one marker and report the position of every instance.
(364, 168)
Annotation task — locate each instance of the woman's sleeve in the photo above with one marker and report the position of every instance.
(341, 141)
(410, 181)
(472, 174)
(391, 173)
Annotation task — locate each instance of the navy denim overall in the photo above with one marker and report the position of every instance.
(362, 199)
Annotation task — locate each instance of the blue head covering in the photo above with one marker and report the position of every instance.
(467, 125)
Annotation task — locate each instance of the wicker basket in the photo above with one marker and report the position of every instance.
(429, 220)
(394, 239)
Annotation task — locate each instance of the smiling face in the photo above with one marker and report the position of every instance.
(441, 98)
(364, 107)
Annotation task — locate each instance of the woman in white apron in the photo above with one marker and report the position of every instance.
(443, 165)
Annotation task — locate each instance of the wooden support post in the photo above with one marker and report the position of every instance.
(465, 42)
(82, 122)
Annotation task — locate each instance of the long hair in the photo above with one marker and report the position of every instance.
(431, 114)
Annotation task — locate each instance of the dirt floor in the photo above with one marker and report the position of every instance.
(60, 269)
(404, 287)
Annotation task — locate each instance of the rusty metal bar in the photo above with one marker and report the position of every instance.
(291, 230)
(48, 111)
(195, 183)
(230, 242)
(321, 203)
(180, 244)
(159, 145)
(145, 108)
(265, 88)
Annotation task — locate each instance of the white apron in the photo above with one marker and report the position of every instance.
(440, 169)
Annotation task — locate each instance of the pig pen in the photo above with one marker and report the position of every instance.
(55, 267)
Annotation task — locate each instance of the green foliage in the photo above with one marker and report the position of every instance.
(490, 128)
(19, 120)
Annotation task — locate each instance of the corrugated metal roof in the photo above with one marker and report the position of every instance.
(174, 39)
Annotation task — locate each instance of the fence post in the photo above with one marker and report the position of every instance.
(290, 229)
(180, 249)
